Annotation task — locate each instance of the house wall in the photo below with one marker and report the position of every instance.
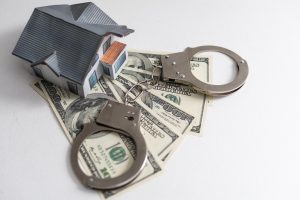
(83, 90)
(116, 73)
(61, 81)
(49, 75)
(97, 66)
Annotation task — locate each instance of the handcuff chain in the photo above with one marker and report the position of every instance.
(151, 83)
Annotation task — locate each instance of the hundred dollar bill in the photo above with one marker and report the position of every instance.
(202, 73)
(152, 168)
(156, 133)
(37, 88)
(103, 155)
(175, 118)
(185, 97)
(137, 63)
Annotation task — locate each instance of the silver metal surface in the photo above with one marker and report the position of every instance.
(176, 68)
(122, 119)
(127, 99)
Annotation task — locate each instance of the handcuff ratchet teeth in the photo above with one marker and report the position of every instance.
(118, 118)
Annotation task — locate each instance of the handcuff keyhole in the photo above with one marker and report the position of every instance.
(130, 118)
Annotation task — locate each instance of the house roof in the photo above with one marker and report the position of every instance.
(113, 52)
(66, 38)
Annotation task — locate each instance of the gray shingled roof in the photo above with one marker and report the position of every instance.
(66, 37)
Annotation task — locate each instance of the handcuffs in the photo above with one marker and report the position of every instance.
(124, 119)
(118, 118)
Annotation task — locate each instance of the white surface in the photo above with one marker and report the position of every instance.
(251, 143)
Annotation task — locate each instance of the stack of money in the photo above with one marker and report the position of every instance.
(169, 112)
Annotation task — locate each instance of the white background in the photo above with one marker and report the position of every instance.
(251, 139)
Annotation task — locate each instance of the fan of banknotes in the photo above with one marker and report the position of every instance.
(169, 113)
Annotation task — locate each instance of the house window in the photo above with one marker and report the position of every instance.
(72, 87)
(120, 62)
(38, 72)
(96, 58)
(106, 45)
(93, 80)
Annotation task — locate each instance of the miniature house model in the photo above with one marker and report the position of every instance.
(72, 46)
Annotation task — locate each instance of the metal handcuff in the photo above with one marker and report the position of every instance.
(118, 118)
(124, 119)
